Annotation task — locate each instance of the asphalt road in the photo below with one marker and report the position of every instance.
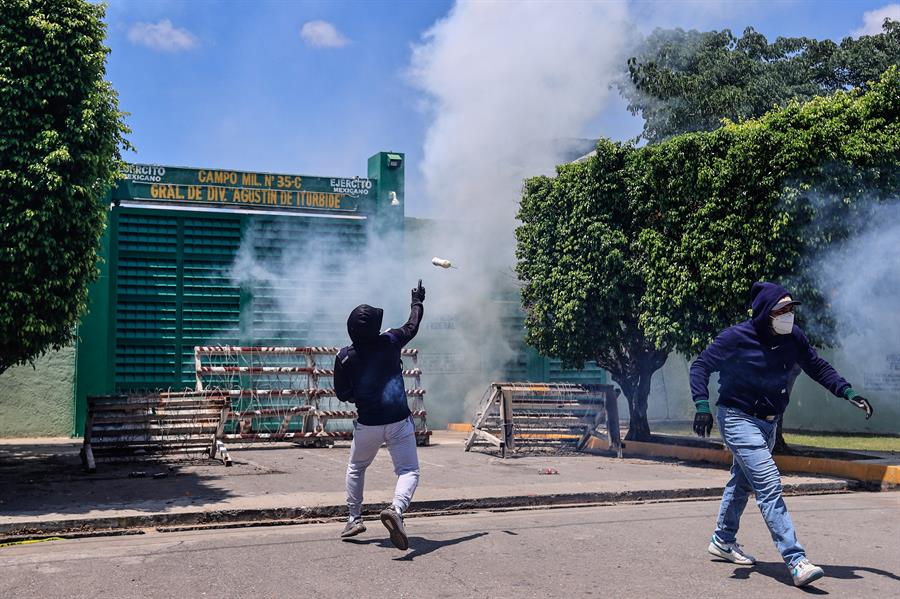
(652, 550)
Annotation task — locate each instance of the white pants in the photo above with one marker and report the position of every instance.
(400, 438)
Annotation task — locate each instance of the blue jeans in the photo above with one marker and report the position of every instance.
(751, 441)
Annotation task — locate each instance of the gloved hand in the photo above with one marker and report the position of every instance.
(859, 401)
(703, 419)
(418, 293)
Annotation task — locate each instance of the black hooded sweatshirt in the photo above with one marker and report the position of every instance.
(369, 373)
(755, 363)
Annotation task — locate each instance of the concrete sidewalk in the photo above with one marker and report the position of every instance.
(43, 489)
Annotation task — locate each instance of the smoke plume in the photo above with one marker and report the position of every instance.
(861, 282)
(510, 89)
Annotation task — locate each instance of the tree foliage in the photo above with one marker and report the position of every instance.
(760, 200)
(681, 81)
(639, 251)
(579, 258)
(60, 137)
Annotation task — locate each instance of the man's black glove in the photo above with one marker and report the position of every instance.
(859, 401)
(418, 294)
(703, 424)
(703, 419)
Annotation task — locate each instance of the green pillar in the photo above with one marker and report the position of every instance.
(94, 357)
(388, 170)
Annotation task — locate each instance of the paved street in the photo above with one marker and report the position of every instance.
(621, 551)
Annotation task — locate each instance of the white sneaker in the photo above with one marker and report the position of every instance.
(804, 573)
(733, 552)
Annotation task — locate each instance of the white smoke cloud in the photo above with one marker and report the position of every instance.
(506, 85)
(861, 282)
(504, 81)
(162, 36)
(322, 34)
(874, 19)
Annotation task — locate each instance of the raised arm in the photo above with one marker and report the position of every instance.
(404, 334)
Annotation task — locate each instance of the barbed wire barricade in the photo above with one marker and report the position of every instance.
(527, 417)
(287, 394)
(169, 425)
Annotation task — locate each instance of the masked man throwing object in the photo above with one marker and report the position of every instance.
(755, 360)
(369, 374)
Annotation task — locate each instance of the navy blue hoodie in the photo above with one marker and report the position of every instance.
(755, 363)
(369, 372)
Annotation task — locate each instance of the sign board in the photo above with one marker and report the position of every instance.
(241, 189)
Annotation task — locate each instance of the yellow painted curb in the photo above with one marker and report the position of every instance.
(884, 474)
(30, 541)
(459, 427)
(692, 454)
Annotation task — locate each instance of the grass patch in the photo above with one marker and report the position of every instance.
(823, 440)
(857, 442)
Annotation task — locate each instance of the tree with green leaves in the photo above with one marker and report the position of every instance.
(579, 259)
(60, 138)
(636, 252)
(760, 200)
(681, 81)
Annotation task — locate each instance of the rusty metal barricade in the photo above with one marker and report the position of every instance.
(166, 425)
(287, 393)
(529, 416)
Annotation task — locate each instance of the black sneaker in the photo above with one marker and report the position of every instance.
(353, 528)
(393, 521)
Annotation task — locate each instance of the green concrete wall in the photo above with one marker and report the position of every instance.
(37, 402)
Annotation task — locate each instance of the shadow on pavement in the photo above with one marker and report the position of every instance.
(779, 572)
(42, 478)
(418, 546)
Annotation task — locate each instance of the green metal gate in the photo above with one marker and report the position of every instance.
(166, 278)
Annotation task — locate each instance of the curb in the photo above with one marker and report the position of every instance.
(459, 427)
(294, 515)
(885, 475)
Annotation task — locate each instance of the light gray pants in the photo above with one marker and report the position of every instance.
(400, 438)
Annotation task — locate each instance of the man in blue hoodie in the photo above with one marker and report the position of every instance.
(369, 374)
(755, 360)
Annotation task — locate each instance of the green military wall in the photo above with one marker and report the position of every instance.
(37, 402)
(168, 284)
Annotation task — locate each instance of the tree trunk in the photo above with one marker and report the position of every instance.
(635, 384)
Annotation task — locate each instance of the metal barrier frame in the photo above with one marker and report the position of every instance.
(307, 410)
(499, 402)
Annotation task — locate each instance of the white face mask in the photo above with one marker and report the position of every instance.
(784, 323)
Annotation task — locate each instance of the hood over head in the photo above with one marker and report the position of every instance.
(763, 298)
(364, 324)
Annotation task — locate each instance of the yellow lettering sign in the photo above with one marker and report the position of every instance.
(218, 177)
(249, 180)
